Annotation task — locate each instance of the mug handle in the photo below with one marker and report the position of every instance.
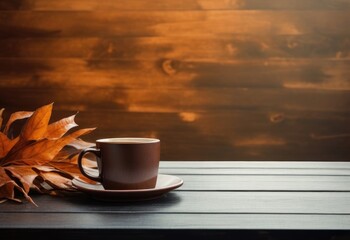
(97, 153)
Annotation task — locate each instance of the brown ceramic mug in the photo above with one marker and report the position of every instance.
(124, 163)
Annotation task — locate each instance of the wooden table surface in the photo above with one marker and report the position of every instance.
(218, 200)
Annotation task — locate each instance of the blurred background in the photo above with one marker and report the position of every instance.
(212, 79)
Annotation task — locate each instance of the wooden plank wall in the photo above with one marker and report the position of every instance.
(213, 79)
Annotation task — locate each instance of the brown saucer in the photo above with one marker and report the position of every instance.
(165, 183)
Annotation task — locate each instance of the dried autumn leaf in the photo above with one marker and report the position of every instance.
(16, 116)
(34, 129)
(1, 119)
(59, 128)
(25, 174)
(36, 126)
(8, 186)
(81, 144)
(6, 144)
(44, 169)
(65, 155)
(54, 177)
(38, 158)
(43, 151)
(71, 169)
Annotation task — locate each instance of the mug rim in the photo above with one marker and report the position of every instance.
(128, 140)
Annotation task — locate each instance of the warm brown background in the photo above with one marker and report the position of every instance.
(213, 79)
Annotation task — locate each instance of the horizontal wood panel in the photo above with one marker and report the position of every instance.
(254, 165)
(141, 5)
(240, 182)
(249, 177)
(171, 23)
(177, 221)
(273, 135)
(244, 80)
(234, 47)
(257, 172)
(141, 121)
(172, 73)
(205, 221)
(267, 183)
(287, 135)
(178, 100)
(177, 209)
(263, 179)
(206, 202)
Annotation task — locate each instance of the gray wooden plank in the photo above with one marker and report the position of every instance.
(256, 164)
(253, 172)
(173, 221)
(201, 202)
(264, 183)
(258, 171)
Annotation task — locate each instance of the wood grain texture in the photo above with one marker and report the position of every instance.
(87, 221)
(317, 210)
(211, 49)
(100, 222)
(199, 202)
(269, 137)
(301, 74)
(260, 172)
(140, 5)
(171, 23)
(255, 165)
(241, 182)
(215, 80)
